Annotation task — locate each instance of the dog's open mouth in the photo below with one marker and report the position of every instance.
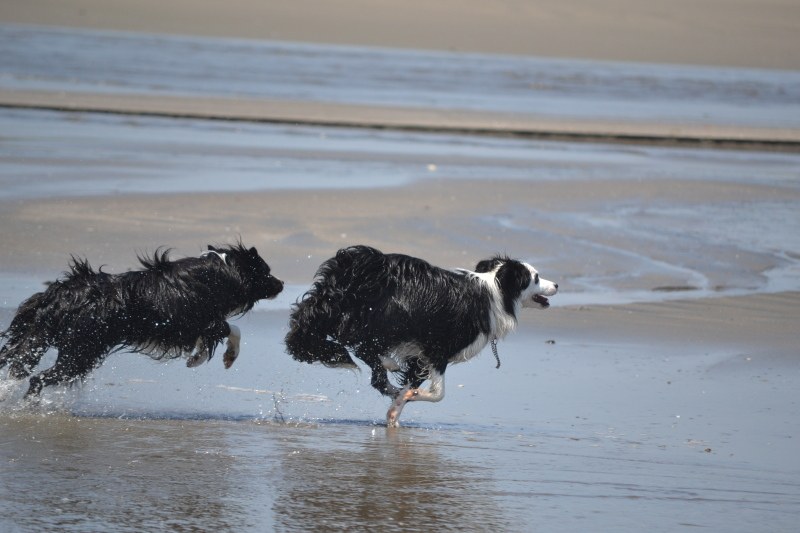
(541, 300)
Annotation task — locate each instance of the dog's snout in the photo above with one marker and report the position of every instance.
(555, 285)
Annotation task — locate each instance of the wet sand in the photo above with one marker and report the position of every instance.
(440, 220)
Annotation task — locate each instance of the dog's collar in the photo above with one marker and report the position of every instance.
(221, 256)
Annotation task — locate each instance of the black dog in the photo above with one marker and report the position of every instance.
(166, 310)
(401, 314)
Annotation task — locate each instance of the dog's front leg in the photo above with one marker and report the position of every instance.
(434, 393)
(393, 414)
(200, 354)
(232, 351)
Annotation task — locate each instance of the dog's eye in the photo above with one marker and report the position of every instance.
(536, 279)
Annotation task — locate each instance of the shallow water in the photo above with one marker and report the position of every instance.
(551, 440)
(79, 60)
(133, 475)
(47, 154)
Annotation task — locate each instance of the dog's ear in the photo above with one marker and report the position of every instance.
(514, 278)
(211, 248)
(253, 251)
(483, 266)
(487, 265)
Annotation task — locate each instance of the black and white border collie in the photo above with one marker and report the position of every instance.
(167, 309)
(403, 315)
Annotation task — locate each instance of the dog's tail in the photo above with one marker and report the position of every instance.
(308, 343)
(320, 322)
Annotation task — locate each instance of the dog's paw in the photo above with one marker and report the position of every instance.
(196, 360)
(232, 351)
(229, 357)
(392, 419)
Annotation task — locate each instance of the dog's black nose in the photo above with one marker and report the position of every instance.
(556, 284)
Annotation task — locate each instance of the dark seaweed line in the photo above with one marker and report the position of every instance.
(708, 142)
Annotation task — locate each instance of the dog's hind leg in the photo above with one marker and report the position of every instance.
(84, 349)
(374, 356)
(380, 382)
(68, 368)
(22, 356)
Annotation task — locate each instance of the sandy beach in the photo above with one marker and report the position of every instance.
(658, 392)
(762, 34)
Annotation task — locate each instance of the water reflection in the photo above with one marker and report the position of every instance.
(391, 480)
(107, 474)
(98, 474)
